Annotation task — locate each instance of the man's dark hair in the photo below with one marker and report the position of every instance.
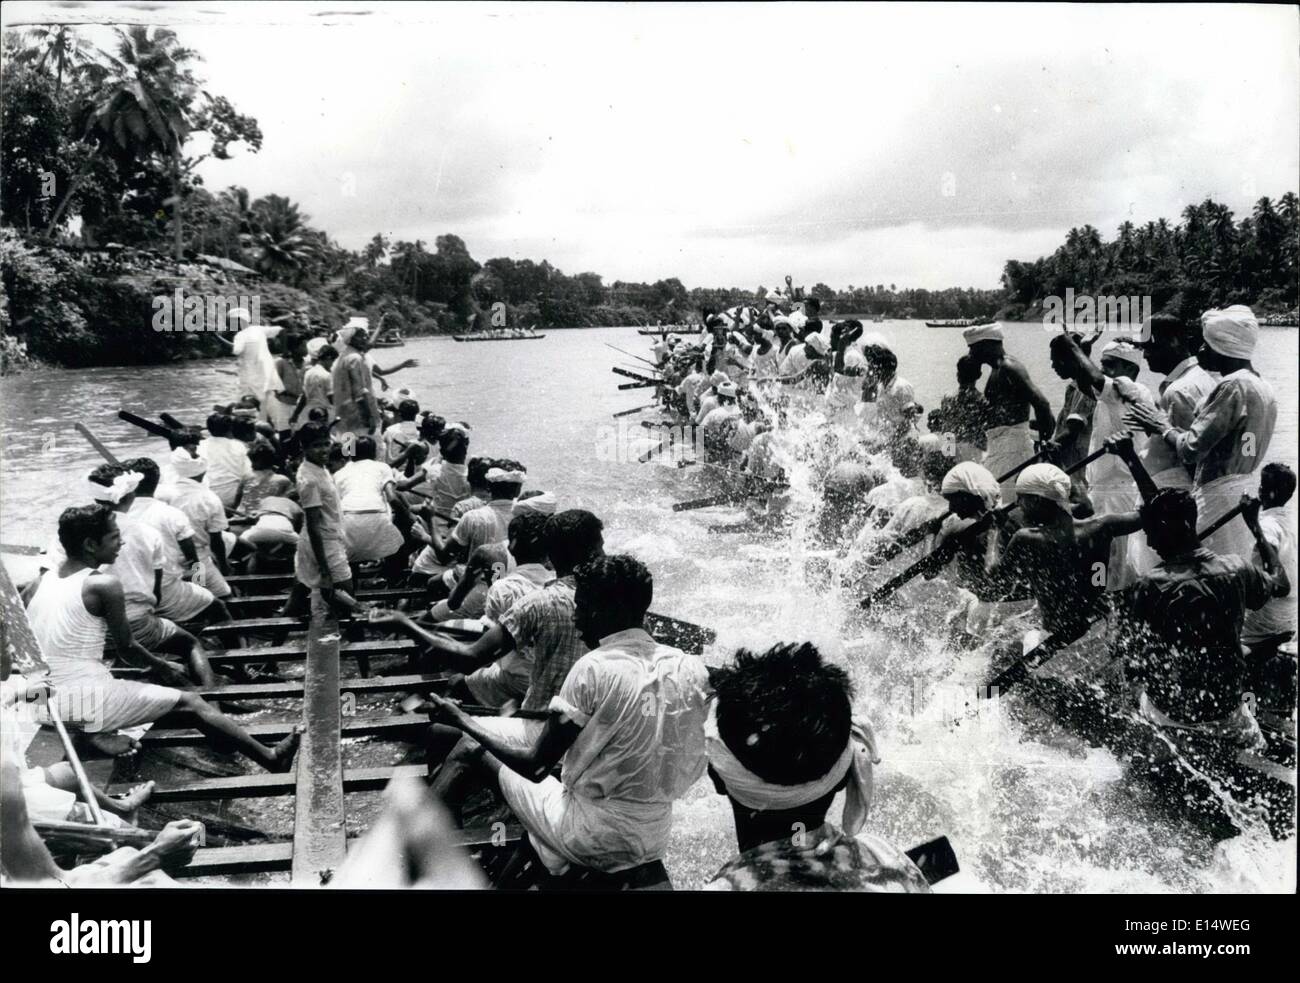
(326, 351)
(262, 456)
(408, 409)
(454, 445)
(477, 469)
(363, 449)
(572, 537)
(219, 424)
(883, 360)
(149, 471)
(83, 522)
(528, 530)
(312, 433)
(784, 713)
(1170, 507)
(106, 474)
(432, 426)
(812, 305)
(617, 584)
(242, 428)
(1168, 325)
(1280, 480)
(968, 370)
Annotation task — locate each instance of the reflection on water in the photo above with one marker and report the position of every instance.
(1040, 813)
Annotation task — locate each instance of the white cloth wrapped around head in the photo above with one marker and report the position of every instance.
(186, 464)
(543, 504)
(1046, 481)
(983, 332)
(123, 485)
(754, 793)
(354, 325)
(1233, 331)
(501, 474)
(974, 479)
(817, 343)
(1124, 350)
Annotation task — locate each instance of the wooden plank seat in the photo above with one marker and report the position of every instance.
(414, 683)
(298, 652)
(238, 604)
(267, 784)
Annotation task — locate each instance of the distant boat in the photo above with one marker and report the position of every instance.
(390, 339)
(961, 322)
(878, 318)
(497, 337)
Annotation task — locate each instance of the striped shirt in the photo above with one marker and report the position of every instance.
(542, 625)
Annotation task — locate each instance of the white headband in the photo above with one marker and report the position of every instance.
(500, 474)
(123, 485)
(754, 793)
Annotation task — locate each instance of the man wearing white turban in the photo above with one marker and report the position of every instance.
(354, 396)
(1228, 438)
(779, 774)
(1011, 394)
(257, 375)
(206, 514)
(1110, 484)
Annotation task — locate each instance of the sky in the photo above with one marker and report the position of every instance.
(921, 145)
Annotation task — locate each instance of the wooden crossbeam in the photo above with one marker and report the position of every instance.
(297, 653)
(421, 683)
(392, 727)
(396, 594)
(319, 833)
(266, 784)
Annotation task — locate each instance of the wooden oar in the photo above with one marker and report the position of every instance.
(941, 556)
(632, 375)
(171, 421)
(638, 385)
(630, 355)
(645, 458)
(87, 791)
(174, 437)
(95, 442)
(712, 500)
(1053, 643)
(931, 526)
(638, 409)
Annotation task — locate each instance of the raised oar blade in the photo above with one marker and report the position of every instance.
(935, 859)
(704, 503)
(171, 421)
(638, 385)
(684, 635)
(633, 375)
(637, 409)
(95, 442)
(175, 437)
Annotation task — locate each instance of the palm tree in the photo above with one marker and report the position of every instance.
(59, 46)
(282, 244)
(376, 249)
(142, 110)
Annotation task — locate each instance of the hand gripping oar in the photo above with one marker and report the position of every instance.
(940, 557)
(1053, 643)
(87, 791)
(95, 442)
(632, 375)
(931, 526)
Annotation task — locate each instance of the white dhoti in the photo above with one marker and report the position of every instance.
(1008, 447)
(370, 536)
(277, 412)
(1216, 498)
(1130, 556)
(184, 601)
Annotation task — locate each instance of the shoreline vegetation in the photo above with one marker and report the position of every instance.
(102, 211)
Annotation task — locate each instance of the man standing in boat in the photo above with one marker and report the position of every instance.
(1011, 394)
(355, 405)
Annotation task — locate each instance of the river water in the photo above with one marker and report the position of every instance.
(1035, 812)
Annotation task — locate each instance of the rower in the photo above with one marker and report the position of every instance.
(844, 505)
(965, 414)
(206, 515)
(264, 480)
(367, 498)
(228, 464)
(1266, 630)
(321, 562)
(486, 525)
(290, 368)
(693, 385)
(1011, 394)
(1180, 635)
(781, 743)
(73, 611)
(1229, 436)
(1073, 433)
(317, 387)
(893, 395)
(708, 402)
(718, 429)
(1169, 345)
(803, 356)
(1111, 487)
(402, 433)
(627, 726)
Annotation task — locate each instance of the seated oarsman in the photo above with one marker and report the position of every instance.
(844, 499)
(272, 540)
(206, 515)
(693, 384)
(402, 433)
(446, 480)
(1056, 559)
(627, 726)
(184, 598)
(72, 613)
(1266, 630)
(718, 429)
(367, 497)
(317, 388)
(894, 396)
(228, 464)
(965, 414)
(930, 504)
(781, 743)
(265, 480)
(901, 483)
(708, 401)
(420, 452)
(321, 562)
(539, 624)
(1180, 634)
(139, 567)
(1229, 435)
(802, 357)
(482, 526)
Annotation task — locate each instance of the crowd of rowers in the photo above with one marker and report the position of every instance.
(622, 725)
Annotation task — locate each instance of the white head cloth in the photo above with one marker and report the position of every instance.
(354, 325)
(1046, 481)
(974, 479)
(123, 485)
(501, 474)
(817, 343)
(797, 319)
(854, 360)
(543, 504)
(1232, 331)
(718, 378)
(754, 793)
(983, 332)
(1124, 350)
(727, 389)
(186, 465)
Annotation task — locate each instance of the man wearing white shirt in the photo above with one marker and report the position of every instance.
(257, 375)
(228, 464)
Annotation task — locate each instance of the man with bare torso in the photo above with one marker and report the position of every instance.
(1010, 394)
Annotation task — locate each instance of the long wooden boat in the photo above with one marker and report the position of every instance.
(482, 337)
(388, 341)
(961, 322)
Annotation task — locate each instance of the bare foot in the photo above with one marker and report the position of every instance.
(114, 745)
(126, 805)
(282, 754)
